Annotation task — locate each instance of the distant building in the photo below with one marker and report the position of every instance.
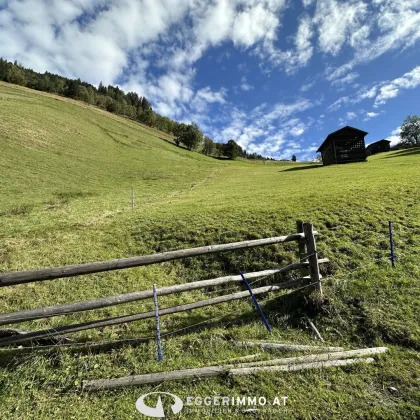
(378, 147)
(344, 146)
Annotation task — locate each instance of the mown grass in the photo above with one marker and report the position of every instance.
(66, 172)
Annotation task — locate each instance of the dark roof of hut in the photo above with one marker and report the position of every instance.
(380, 141)
(333, 134)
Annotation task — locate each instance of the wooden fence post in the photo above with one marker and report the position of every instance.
(312, 255)
(302, 248)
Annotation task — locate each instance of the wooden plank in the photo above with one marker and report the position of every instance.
(68, 308)
(144, 315)
(281, 365)
(8, 279)
(313, 255)
(285, 347)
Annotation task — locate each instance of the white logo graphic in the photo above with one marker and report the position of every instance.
(158, 410)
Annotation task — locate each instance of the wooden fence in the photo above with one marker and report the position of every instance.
(308, 265)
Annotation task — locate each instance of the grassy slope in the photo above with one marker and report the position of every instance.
(66, 171)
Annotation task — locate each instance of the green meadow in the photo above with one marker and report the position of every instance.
(66, 174)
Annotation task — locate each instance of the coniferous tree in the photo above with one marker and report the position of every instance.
(72, 88)
(145, 104)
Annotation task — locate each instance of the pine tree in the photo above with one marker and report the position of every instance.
(145, 104)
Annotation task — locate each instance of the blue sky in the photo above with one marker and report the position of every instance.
(275, 75)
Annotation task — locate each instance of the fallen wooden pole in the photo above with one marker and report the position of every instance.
(336, 355)
(209, 371)
(68, 308)
(303, 366)
(8, 279)
(238, 359)
(144, 315)
(314, 329)
(285, 347)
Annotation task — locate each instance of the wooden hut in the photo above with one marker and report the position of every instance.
(378, 147)
(344, 146)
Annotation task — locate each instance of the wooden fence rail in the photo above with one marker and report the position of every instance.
(306, 240)
(68, 308)
(53, 332)
(9, 279)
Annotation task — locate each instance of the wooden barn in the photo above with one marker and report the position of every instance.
(344, 146)
(378, 147)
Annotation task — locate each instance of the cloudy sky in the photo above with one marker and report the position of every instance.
(275, 75)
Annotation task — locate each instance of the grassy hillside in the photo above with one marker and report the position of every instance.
(66, 172)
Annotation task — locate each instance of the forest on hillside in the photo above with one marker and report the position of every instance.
(130, 105)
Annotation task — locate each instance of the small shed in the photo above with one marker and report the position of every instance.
(378, 147)
(344, 146)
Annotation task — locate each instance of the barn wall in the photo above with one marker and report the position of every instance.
(327, 154)
(350, 149)
(379, 148)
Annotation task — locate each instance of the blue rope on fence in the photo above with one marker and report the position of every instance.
(256, 302)
(157, 323)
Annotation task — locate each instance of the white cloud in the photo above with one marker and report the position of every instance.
(370, 115)
(348, 117)
(392, 89)
(395, 136)
(245, 86)
(336, 21)
(338, 103)
(349, 78)
(307, 86)
(266, 130)
(394, 23)
(253, 25)
(381, 92)
(298, 57)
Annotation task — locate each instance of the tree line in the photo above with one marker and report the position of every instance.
(131, 105)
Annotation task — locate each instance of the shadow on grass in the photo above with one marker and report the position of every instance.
(404, 152)
(285, 314)
(302, 168)
(174, 144)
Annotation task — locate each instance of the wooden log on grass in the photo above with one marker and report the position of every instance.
(87, 305)
(285, 347)
(8, 279)
(283, 365)
(144, 315)
(303, 366)
(321, 357)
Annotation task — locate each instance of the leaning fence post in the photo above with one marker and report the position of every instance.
(267, 325)
(391, 242)
(312, 255)
(157, 323)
